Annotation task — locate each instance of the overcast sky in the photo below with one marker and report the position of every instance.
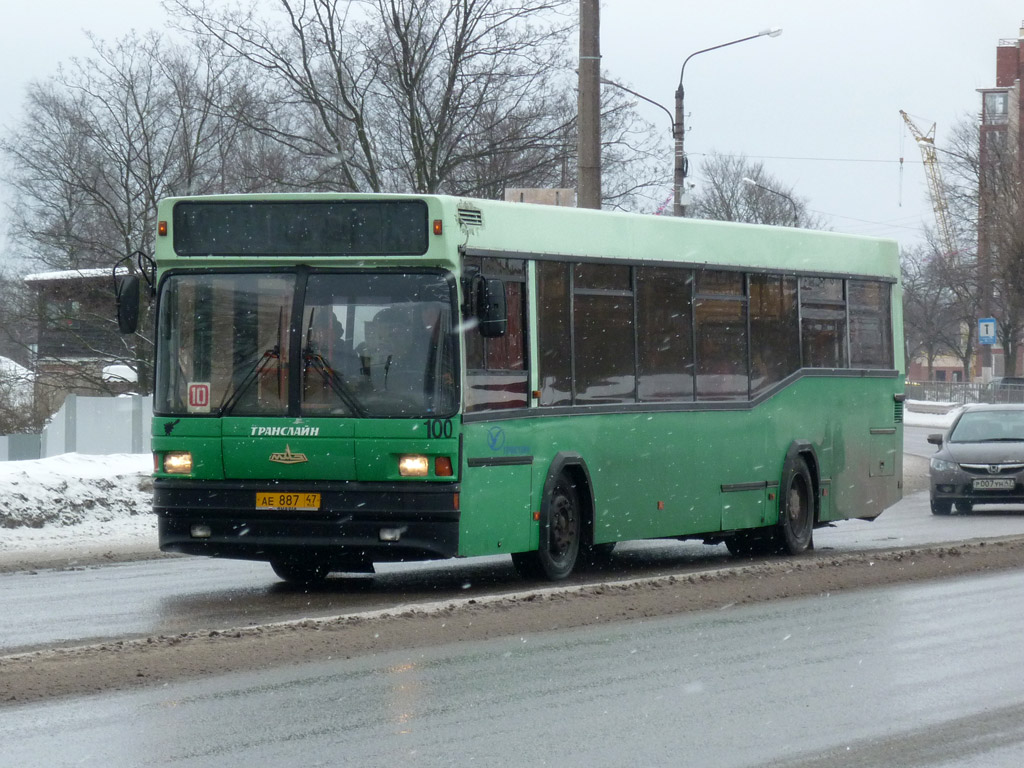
(819, 105)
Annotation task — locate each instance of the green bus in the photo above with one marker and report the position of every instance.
(344, 379)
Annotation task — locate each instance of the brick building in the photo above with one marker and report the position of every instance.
(1000, 169)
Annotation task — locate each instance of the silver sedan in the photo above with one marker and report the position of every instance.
(980, 459)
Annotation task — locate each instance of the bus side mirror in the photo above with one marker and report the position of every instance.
(127, 299)
(490, 306)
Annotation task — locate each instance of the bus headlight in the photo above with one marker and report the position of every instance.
(413, 465)
(178, 463)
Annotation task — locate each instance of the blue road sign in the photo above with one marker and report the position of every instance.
(987, 330)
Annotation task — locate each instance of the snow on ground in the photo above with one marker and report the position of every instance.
(78, 501)
(75, 500)
(918, 418)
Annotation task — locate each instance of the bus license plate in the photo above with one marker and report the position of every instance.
(994, 484)
(298, 501)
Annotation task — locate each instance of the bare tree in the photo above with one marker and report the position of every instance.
(100, 144)
(726, 194)
(932, 321)
(399, 95)
(986, 204)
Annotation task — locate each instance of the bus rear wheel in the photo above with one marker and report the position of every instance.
(299, 572)
(796, 508)
(560, 535)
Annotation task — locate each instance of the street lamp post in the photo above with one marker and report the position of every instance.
(678, 127)
(796, 209)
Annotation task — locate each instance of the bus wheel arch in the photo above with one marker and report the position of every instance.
(566, 521)
(799, 491)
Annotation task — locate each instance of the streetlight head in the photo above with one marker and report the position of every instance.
(747, 180)
(773, 32)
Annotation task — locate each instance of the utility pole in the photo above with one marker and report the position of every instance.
(588, 192)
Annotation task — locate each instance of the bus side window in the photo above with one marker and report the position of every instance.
(870, 324)
(774, 330)
(496, 376)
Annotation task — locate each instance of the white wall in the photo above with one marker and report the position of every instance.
(100, 425)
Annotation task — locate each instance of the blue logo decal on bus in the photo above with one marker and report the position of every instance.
(496, 438)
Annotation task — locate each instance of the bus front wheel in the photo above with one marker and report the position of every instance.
(299, 572)
(560, 534)
(796, 508)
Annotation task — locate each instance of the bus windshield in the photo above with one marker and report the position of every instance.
(370, 345)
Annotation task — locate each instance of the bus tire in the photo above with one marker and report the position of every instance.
(561, 532)
(300, 573)
(796, 508)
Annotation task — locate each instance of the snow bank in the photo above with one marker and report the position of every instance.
(74, 499)
(939, 421)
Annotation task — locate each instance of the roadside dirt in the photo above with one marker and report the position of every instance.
(151, 661)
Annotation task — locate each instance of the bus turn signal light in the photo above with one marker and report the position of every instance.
(161, 228)
(443, 466)
(438, 226)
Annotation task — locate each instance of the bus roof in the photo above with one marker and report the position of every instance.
(514, 229)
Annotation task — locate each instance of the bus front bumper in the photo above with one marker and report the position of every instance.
(356, 522)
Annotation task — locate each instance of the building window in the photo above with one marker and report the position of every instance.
(995, 108)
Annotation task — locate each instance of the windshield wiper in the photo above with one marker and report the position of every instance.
(230, 401)
(334, 380)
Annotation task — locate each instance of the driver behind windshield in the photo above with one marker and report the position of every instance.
(394, 356)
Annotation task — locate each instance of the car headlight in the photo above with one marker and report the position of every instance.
(941, 465)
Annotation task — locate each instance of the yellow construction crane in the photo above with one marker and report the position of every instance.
(926, 143)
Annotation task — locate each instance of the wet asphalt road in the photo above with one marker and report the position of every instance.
(909, 675)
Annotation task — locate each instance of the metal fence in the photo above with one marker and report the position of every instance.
(962, 393)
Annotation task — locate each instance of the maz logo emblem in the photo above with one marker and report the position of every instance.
(288, 457)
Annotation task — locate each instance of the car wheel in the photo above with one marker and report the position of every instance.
(941, 506)
(963, 507)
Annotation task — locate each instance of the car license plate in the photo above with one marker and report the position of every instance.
(994, 484)
(299, 501)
